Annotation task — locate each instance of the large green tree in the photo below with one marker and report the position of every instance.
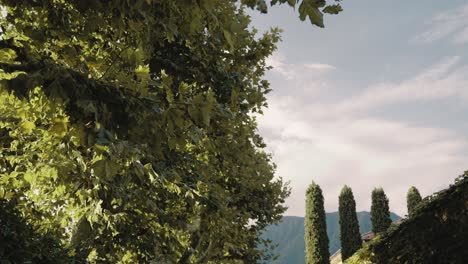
(413, 198)
(380, 212)
(349, 225)
(127, 128)
(316, 239)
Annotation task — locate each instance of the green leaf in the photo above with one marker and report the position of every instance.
(202, 108)
(29, 177)
(27, 127)
(228, 37)
(82, 231)
(105, 169)
(207, 108)
(292, 2)
(7, 55)
(208, 4)
(311, 9)
(153, 175)
(262, 6)
(140, 171)
(196, 25)
(333, 9)
(59, 126)
(133, 57)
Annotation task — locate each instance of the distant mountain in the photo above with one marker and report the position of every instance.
(289, 235)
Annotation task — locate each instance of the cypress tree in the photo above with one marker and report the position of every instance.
(413, 198)
(316, 239)
(349, 226)
(380, 213)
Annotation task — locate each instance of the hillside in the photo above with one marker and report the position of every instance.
(436, 233)
(289, 235)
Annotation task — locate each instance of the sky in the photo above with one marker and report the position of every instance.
(376, 98)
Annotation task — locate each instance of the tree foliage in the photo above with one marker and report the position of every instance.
(413, 198)
(380, 212)
(349, 225)
(312, 9)
(127, 128)
(20, 243)
(316, 239)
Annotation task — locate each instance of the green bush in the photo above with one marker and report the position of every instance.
(316, 239)
(349, 227)
(413, 198)
(380, 212)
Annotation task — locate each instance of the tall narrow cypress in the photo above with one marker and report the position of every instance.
(349, 226)
(316, 239)
(380, 212)
(413, 198)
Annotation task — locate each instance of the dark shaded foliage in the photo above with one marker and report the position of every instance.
(413, 198)
(380, 212)
(349, 227)
(19, 243)
(316, 239)
(436, 233)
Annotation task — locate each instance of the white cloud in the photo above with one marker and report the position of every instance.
(319, 66)
(445, 79)
(306, 79)
(462, 36)
(362, 153)
(451, 24)
(339, 142)
(293, 71)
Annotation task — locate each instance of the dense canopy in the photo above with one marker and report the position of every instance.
(127, 128)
